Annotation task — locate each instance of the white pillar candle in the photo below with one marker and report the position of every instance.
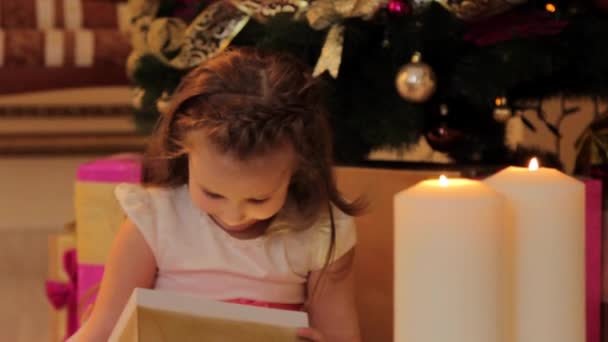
(448, 262)
(546, 239)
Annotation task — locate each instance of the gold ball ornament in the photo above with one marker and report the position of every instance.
(502, 112)
(416, 81)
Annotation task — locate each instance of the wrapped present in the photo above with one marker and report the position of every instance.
(604, 290)
(98, 216)
(593, 256)
(155, 316)
(592, 160)
(61, 285)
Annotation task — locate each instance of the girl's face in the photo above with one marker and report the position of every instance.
(238, 193)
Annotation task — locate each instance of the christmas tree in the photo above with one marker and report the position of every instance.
(451, 71)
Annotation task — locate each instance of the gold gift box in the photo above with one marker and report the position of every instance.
(99, 216)
(157, 316)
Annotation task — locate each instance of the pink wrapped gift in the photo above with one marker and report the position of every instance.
(593, 256)
(98, 217)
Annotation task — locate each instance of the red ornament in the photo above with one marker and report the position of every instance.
(398, 7)
(444, 138)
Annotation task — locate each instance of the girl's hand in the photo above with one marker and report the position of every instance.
(310, 334)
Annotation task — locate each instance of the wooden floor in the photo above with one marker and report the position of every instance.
(23, 268)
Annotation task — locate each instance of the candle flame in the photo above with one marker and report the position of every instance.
(443, 181)
(533, 166)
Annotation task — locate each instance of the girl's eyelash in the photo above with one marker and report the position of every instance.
(212, 195)
(216, 196)
(258, 201)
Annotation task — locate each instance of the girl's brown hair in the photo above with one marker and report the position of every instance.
(248, 101)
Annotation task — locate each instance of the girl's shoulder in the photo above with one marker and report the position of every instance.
(152, 206)
(138, 190)
(156, 212)
(318, 237)
(135, 194)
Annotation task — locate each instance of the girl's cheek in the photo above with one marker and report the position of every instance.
(203, 203)
(206, 206)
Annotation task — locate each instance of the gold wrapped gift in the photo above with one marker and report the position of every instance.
(157, 316)
(99, 216)
(98, 213)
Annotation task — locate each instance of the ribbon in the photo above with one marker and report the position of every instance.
(260, 9)
(63, 295)
(207, 35)
(323, 13)
(331, 53)
(329, 13)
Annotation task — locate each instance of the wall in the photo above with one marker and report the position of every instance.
(36, 192)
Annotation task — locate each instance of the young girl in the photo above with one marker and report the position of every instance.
(239, 202)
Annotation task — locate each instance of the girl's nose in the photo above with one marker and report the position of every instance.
(233, 215)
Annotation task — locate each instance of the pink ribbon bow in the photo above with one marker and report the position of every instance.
(64, 294)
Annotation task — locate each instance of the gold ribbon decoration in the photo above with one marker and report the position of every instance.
(208, 34)
(322, 14)
(331, 54)
(262, 9)
(142, 13)
(165, 35)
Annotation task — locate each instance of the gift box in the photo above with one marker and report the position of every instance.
(593, 256)
(157, 316)
(61, 284)
(98, 217)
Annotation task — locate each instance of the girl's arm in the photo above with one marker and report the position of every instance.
(130, 264)
(331, 307)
